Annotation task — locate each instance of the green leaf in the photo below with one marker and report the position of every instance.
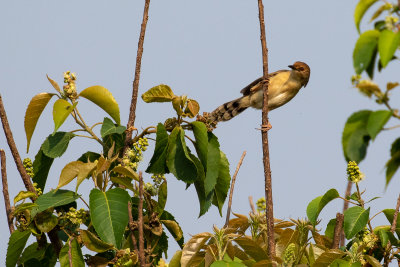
(316, 205)
(201, 136)
(389, 213)
(109, 214)
(46, 221)
(223, 183)
(213, 162)
(92, 242)
(108, 127)
(178, 161)
(371, 260)
(340, 263)
(330, 228)
(55, 199)
(159, 93)
(41, 168)
(168, 216)
(252, 248)
(104, 99)
(360, 10)
(158, 163)
(23, 195)
(355, 137)
(71, 254)
(326, 258)
(174, 228)
(388, 43)
(125, 181)
(364, 50)
(383, 236)
(16, 245)
(204, 200)
(355, 219)
(32, 252)
(32, 114)
(61, 110)
(376, 121)
(227, 264)
(393, 164)
(176, 259)
(162, 197)
(56, 144)
(89, 157)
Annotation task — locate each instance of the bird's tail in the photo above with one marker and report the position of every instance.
(230, 109)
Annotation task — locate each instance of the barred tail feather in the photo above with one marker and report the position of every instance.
(230, 109)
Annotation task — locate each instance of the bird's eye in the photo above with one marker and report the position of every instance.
(301, 69)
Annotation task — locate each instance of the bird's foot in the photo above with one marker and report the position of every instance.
(265, 128)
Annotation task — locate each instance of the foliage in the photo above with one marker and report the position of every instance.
(374, 49)
(103, 227)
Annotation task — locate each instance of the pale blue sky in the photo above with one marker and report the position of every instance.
(208, 50)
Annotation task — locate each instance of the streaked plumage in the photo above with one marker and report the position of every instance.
(283, 86)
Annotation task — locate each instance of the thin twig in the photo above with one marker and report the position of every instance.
(140, 222)
(26, 179)
(396, 213)
(267, 168)
(135, 89)
(345, 207)
(5, 191)
(391, 128)
(132, 228)
(228, 212)
(338, 230)
(87, 205)
(253, 208)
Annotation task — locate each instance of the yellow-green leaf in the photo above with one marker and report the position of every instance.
(33, 112)
(159, 93)
(174, 228)
(54, 84)
(193, 108)
(176, 104)
(23, 195)
(125, 181)
(104, 99)
(61, 110)
(92, 242)
(127, 172)
(390, 85)
(388, 43)
(360, 10)
(75, 169)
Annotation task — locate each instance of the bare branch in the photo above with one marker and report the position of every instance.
(132, 227)
(14, 151)
(5, 191)
(264, 133)
(228, 212)
(140, 222)
(253, 208)
(338, 230)
(132, 110)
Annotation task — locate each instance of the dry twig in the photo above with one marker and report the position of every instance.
(5, 191)
(14, 151)
(265, 123)
(253, 208)
(395, 215)
(338, 230)
(135, 89)
(228, 212)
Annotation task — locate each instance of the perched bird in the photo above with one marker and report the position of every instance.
(283, 86)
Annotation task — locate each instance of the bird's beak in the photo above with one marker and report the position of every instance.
(291, 66)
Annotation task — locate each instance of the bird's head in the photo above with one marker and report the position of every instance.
(303, 70)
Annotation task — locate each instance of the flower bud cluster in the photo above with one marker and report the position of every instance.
(261, 204)
(76, 216)
(70, 86)
(290, 254)
(126, 258)
(353, 172)
(134, 155)
(28, 166)
(39, 191)
(390, 22)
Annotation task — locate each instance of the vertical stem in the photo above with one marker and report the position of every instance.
(140, 222)
(135, 89)
(345, 207)
(228, 212)
(5, 191)
(14, 151)
(395, 215)
(131, 228)
(253, 208)
(338, 230)
(267, 168)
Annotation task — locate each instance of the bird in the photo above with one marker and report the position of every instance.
(283, 87)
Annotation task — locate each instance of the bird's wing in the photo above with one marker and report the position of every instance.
(256, 85)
